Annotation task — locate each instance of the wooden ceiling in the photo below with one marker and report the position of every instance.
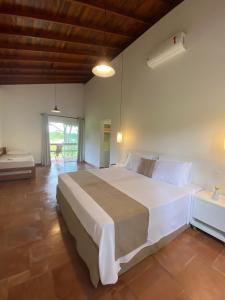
(59, 41)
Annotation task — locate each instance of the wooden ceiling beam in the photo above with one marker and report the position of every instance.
(20, 65)
(112, 9)
(45, 34)
(41, 76)
(40, 81)
(44, 75)
(25, 57)
(38, 48)
(26, 12)
(29, 77)
(41, 71)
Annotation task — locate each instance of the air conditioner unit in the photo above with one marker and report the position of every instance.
(168, 49)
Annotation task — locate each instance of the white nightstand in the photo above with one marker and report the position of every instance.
(208, 214)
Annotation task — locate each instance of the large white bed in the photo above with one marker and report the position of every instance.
(168, 205)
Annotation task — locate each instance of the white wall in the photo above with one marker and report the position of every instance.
(22, 105)
(102, 103)
(177, 108)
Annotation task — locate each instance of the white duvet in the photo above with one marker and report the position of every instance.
(168, 205)
(16, 161)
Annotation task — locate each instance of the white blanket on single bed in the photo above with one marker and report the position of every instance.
(16, 161)
(168, 205)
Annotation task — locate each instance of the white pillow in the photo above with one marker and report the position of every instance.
(133, 161)
(173, 172)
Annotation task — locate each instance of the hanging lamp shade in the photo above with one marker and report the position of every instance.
(103, 69)
(55, 109)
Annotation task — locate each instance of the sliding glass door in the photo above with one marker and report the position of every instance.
(63, 137)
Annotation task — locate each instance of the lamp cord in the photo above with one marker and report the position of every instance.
(104, 53)
(55, 94)
(121, 91)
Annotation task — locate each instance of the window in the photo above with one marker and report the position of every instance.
(63, 137)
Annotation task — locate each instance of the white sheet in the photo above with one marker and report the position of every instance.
(14, 161)
(168, 205)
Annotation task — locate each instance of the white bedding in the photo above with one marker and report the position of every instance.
(16, 161)
(168, 205)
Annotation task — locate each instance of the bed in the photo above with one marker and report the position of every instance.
(97, 233)
(16, 165)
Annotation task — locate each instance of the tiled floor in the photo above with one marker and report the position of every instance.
(38, 259)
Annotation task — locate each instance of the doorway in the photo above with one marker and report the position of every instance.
(63, 139)
(105, 143)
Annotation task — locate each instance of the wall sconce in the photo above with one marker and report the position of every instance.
(119, 137)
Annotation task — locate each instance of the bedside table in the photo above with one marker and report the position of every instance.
(208, 214)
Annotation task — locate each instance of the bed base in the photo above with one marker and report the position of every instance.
(88, 250)
(29, 173)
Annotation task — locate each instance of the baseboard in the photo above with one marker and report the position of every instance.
(91, 165)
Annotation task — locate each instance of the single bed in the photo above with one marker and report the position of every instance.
(17, 166)
(95, 231)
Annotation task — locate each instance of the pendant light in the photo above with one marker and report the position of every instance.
(55, 109)
(119, 137)
(103, 67)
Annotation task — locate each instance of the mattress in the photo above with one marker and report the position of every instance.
(168, 205)
(14, 161)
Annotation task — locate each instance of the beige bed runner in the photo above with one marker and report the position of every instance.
(130, 217)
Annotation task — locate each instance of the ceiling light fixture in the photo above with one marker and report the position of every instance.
(55, 109)
(103, 67)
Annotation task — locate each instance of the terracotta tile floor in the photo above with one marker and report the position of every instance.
(38, 260)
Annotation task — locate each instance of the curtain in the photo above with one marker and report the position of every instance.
(45, 148)
(80, 155)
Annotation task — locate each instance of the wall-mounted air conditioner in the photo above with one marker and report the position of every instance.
(166, 50)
